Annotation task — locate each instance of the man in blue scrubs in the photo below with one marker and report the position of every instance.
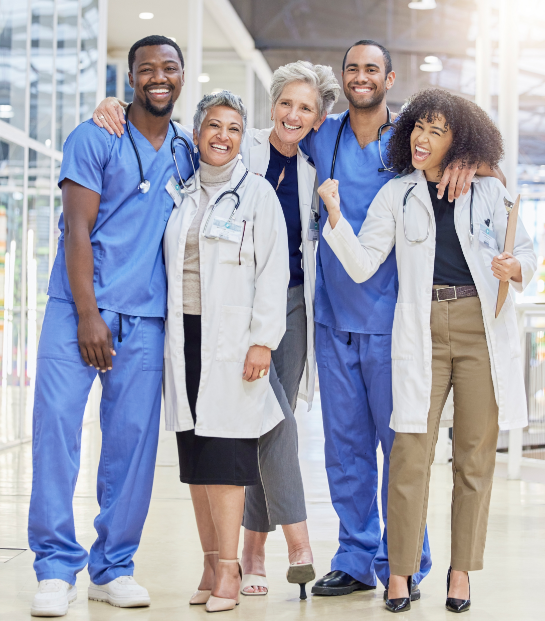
(353, 332)
(105, 316)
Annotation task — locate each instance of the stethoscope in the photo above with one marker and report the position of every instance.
(236, 197)
(423, 239)
(388, 123)
(144, 184)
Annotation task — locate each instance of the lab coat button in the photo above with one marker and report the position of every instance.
(179, 277)
(179, 350)
(178, 314)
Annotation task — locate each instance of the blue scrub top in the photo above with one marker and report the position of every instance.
(127, 237)
(340, 303)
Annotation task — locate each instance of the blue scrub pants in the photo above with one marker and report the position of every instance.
(355, 374)
(129, 417)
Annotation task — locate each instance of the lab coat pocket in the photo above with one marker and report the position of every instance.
(234, 333)
(153, 343)
(404, 332)
(239, 253)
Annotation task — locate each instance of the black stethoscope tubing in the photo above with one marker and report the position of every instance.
(144, 184)
(380, 130)
(405, 198)
(235, 193)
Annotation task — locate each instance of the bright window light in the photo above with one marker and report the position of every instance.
(204, 77)
(431, 64)
(423, 5)
(146, 16)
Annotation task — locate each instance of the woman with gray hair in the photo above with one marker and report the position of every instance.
(226, 258)
(302, 94)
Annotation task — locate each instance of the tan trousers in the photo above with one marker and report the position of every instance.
(461, 360)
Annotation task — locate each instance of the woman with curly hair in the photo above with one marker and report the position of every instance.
(445, 334)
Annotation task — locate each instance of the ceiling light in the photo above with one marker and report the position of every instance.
(432, 63)
(48, 142)
(204, 77)
(423, 5)
(146, 16)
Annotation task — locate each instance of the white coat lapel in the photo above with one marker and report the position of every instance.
(260, 154)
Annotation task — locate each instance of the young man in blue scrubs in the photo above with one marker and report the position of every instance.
(105, 316)
(354, 326)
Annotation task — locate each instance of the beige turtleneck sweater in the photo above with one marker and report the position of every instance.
(213, 178)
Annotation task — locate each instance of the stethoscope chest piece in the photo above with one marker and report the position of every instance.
(144, 186)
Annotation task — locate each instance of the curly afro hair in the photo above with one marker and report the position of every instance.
(475, 141)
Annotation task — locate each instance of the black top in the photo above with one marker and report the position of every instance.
(288, 195)
(450, 264)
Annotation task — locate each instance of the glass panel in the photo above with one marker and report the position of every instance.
(88, 58)
(41, 70)
(111, 81)
(39, 213)
(66, 69)
(13, 65)
(11, 221)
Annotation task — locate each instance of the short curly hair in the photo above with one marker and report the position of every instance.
(476, 140)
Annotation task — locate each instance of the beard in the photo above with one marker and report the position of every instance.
(159, 112)
(372, 102)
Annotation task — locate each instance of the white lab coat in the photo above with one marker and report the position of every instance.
(411, 338)
(243, 299)
(256, 153)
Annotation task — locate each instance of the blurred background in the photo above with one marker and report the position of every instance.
(59, 58)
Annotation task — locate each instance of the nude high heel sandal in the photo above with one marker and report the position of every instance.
(219, 604)
(201, 597)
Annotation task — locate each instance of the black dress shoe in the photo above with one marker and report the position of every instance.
(454, 604)
(415, 591)
(338, 583)
(400, 604)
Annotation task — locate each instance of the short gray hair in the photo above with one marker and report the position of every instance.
(321, 77)
(223, 98)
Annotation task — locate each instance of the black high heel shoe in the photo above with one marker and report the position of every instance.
(457, 605)
(301, 573)
(401, 604)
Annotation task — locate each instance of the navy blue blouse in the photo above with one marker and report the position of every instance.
(288, 195)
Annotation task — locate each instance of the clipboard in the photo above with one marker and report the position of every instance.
(512, 215)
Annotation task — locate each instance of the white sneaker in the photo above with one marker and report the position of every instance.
(124, 592)
(52, 598)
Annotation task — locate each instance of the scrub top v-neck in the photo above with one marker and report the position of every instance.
(129, 274)
(342, 304)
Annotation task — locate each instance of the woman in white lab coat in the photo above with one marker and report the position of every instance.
(226, 259)
(450, 259)
(302, 95)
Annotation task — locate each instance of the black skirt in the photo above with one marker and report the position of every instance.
(203, 460)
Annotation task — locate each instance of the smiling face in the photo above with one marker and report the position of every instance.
(220, 135)
(296, 112)
(157, 78)
(430, 143)
(365, 82)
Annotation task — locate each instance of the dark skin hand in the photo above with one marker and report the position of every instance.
(80, 209)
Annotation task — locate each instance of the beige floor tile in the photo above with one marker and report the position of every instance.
(169, 559)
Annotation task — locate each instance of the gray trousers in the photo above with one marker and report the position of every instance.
(279, 498)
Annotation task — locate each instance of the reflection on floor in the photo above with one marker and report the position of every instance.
(169, 559)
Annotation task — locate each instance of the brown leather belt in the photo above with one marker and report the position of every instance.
(445, 294)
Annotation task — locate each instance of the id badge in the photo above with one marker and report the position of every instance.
(223, 228)
(487, 237)
(173, 189)
(313, 227)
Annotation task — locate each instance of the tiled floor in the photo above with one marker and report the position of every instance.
(169, 559)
